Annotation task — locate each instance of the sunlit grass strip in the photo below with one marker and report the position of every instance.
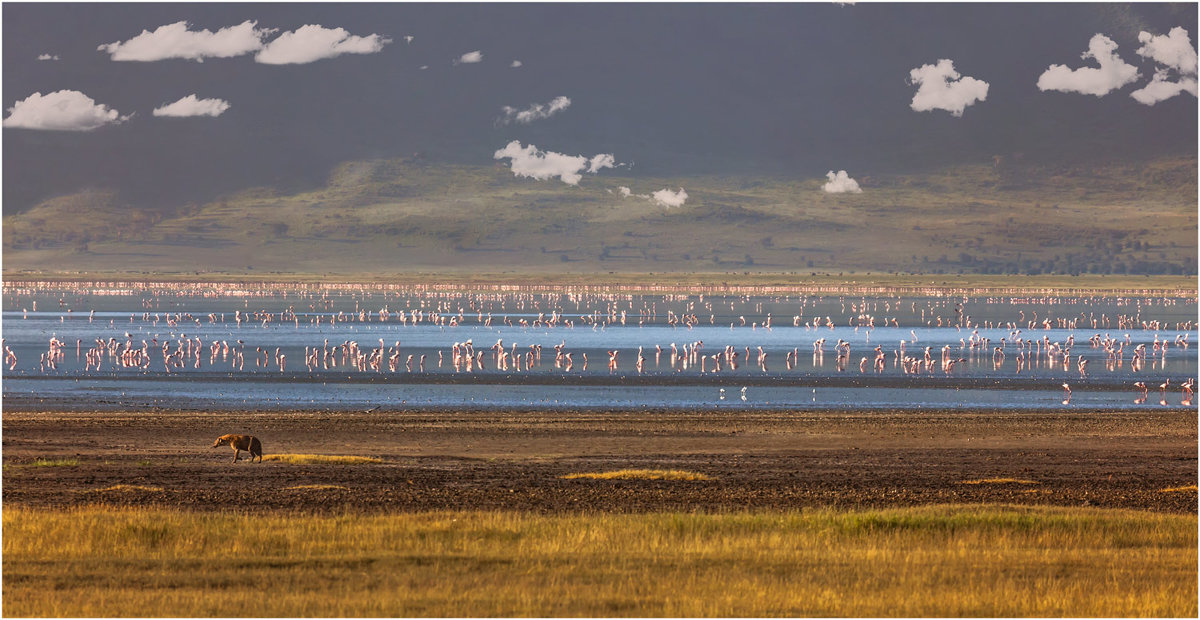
(640, 474)
(56, 463)
(125, 488)
(317, 487)
(930, 561)
(1182, 489)
(998, 481)
(321, 459)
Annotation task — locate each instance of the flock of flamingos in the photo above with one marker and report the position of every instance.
(597, 312)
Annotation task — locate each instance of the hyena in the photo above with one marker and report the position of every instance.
(248, 443)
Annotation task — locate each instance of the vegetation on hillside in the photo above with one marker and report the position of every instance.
(414, 215)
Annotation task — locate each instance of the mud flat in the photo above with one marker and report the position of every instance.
(518, 459)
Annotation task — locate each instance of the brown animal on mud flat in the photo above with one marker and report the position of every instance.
(248, 443)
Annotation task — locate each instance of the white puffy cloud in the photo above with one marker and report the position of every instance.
(515, 64)
(534, 112)
(528, 161)
(192, 106)
(47, 57)
(177, 41)
(939, 87)
(841, 183)
(1112, 74)
(1174, 51)
(313, 42)
(668, 198)
(600, 162)
(1160, 88)
(64, 110)
(663, 197)
(469, 58)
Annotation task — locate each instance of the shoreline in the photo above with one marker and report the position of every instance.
(644, 283)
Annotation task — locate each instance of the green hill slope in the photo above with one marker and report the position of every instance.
(396, 216)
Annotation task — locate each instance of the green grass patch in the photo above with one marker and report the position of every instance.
(321, 459)
(56, 463)
(999, 561)
(640, 474)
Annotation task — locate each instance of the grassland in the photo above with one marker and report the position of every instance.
(930, 561)
(307, 459)
(639, 474)
(391, 217)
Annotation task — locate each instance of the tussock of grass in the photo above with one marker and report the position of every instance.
(56, 463)
(998, 481)
(126, 488)
(931, 561)
(320, 459)
(1182, 489)
(317, 487)
(640, 474)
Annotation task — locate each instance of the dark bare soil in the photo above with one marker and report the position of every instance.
(514, 460)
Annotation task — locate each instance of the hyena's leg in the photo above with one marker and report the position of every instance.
(236, 454)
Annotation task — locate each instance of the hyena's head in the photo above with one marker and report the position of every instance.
(221, 441)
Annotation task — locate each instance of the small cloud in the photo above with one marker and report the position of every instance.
(939, 87)
(1112, 74)
(1160, 88)
(469, 58)
(624, 191)
(192, 106)
(840, 183)
(600, 162)
(47, 57)
(668, 198)
(515, 64)
(422, 67)
(314, 42)
(64, 110)
(530, 162)
(177, 41)
(1174, 51)
(534, 112)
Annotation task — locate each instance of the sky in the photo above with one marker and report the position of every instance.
(168, 103)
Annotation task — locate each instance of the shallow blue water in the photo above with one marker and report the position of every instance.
(980, 380)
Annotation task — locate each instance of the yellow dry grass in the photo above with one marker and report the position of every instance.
(1182, 489)
(321, 459)
(640, 474)
(126, 488)
(929, 561)
(317, 487)
(998, 481)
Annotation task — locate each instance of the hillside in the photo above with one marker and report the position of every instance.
(397, 216)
